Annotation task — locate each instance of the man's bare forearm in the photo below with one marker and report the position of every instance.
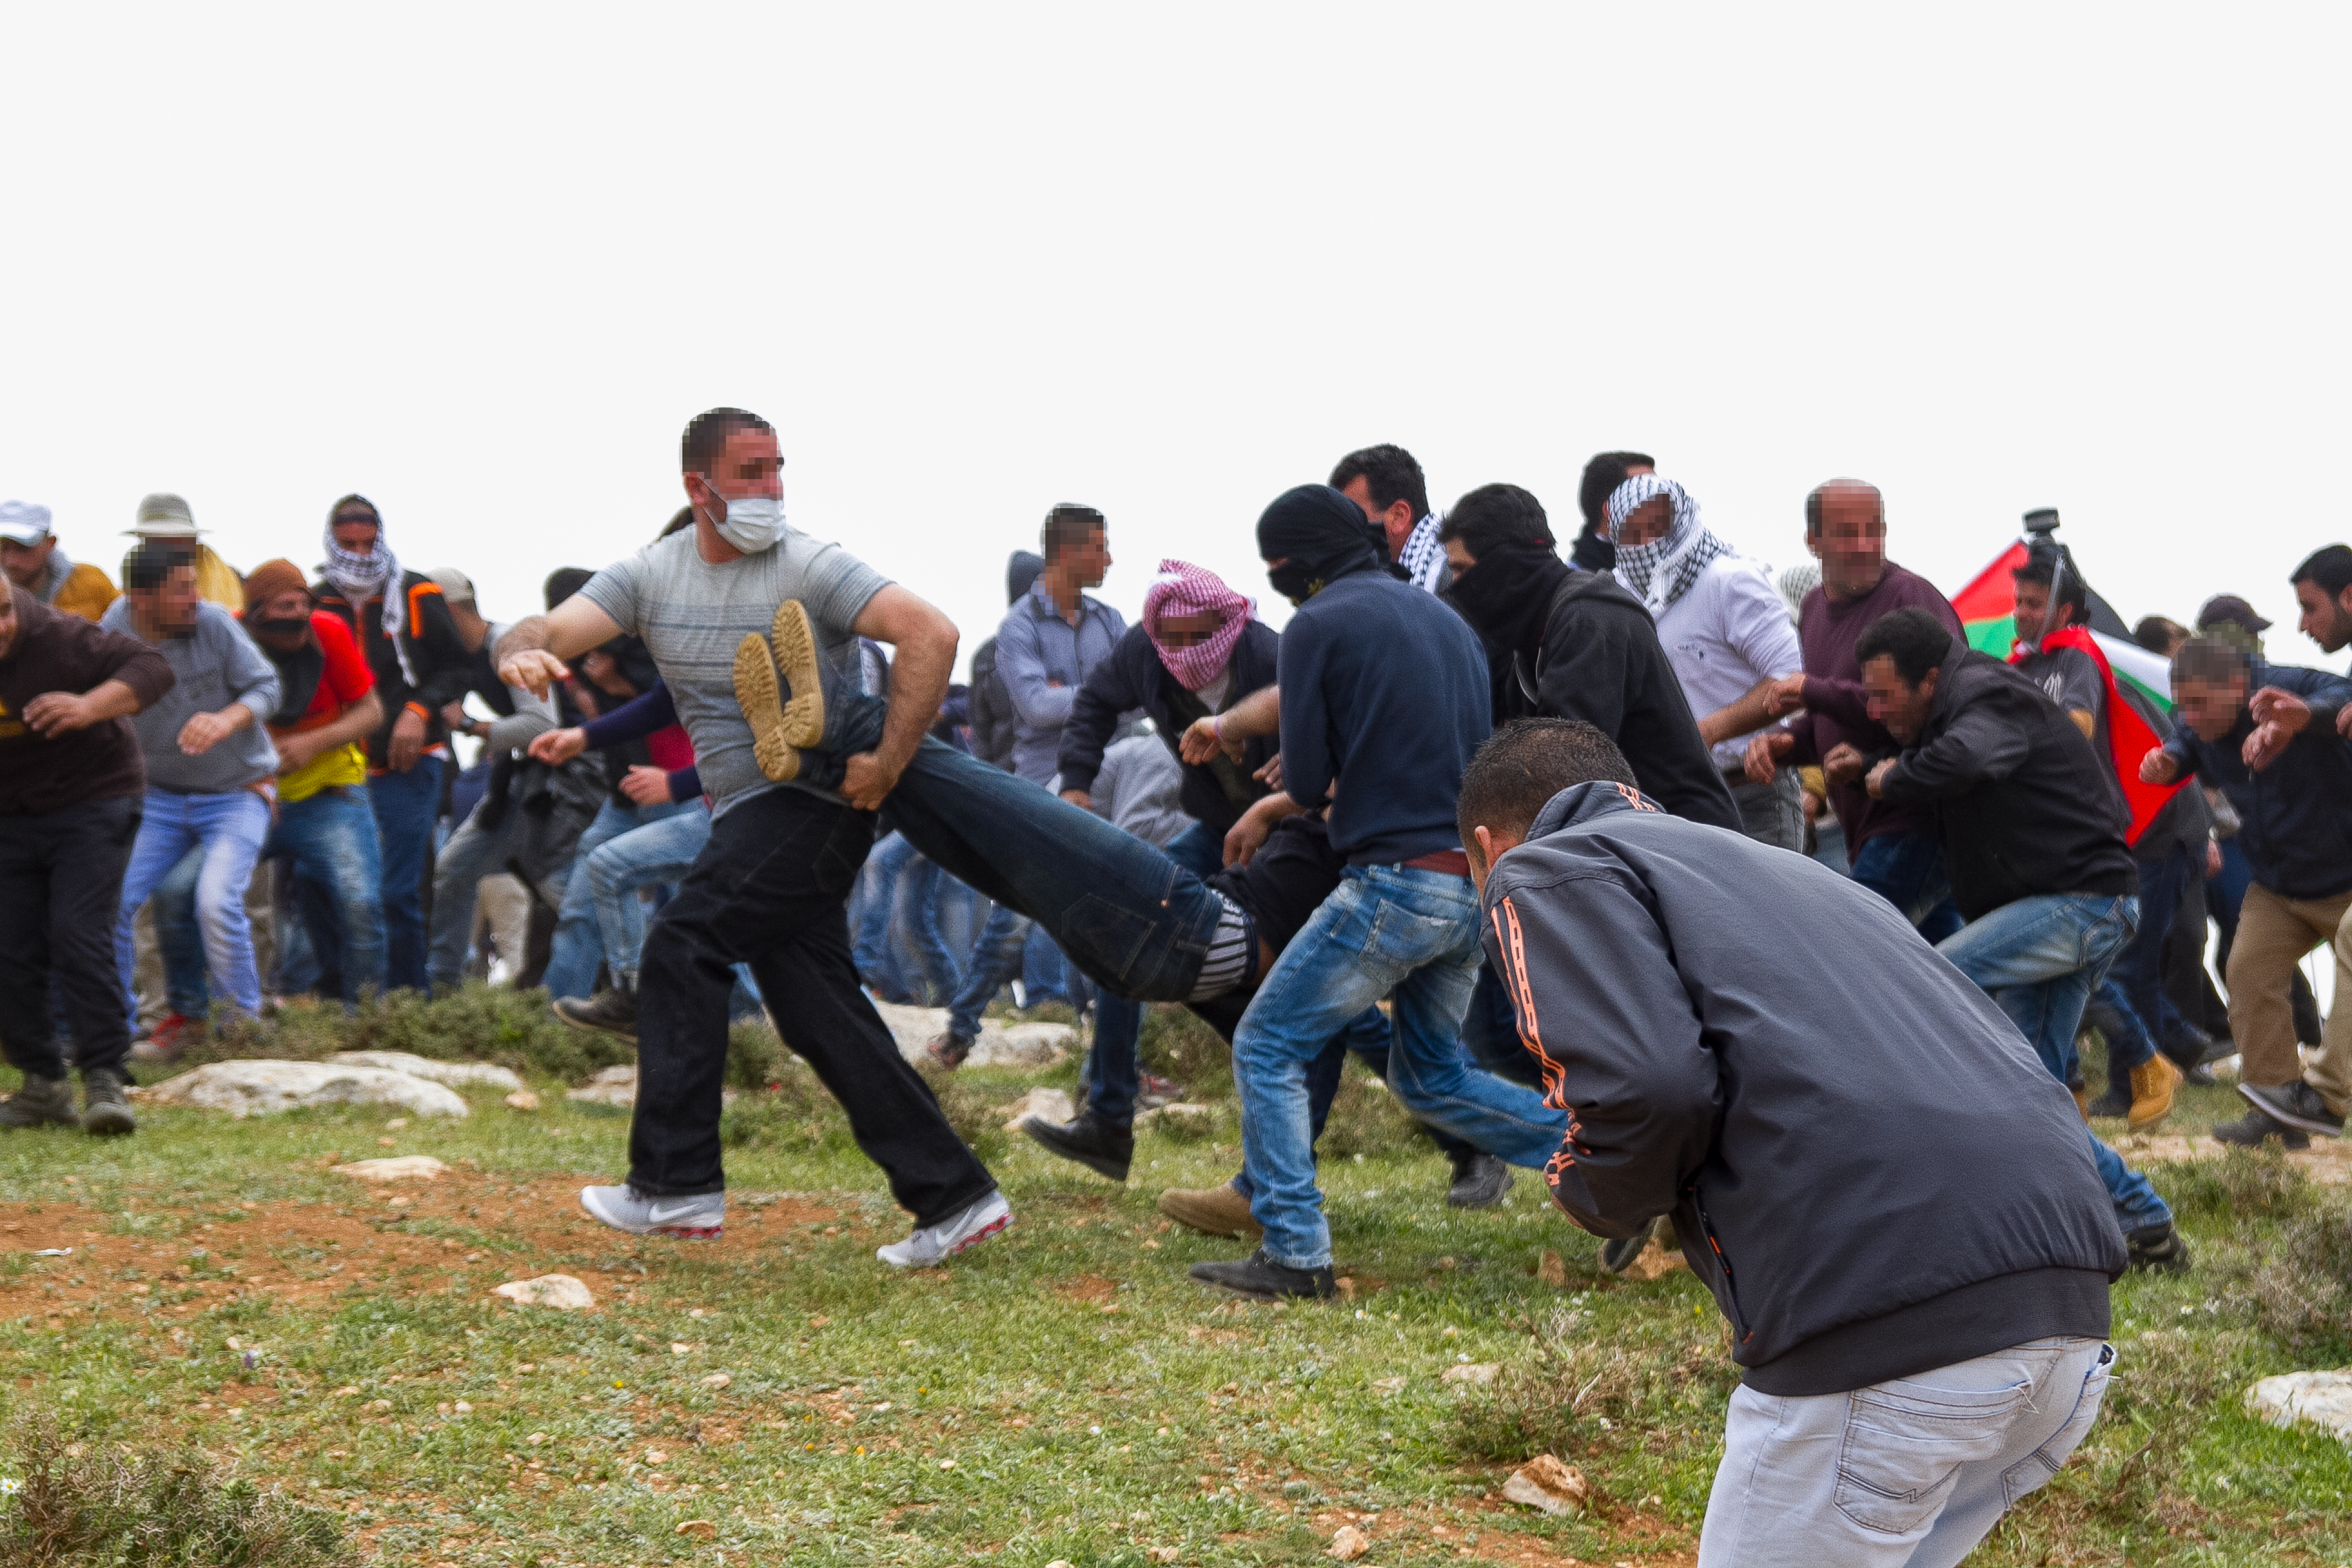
(1253, 716)
(919, 684)
(525, 636)
(1742, 716)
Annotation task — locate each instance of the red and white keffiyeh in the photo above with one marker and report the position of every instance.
(1182, 588)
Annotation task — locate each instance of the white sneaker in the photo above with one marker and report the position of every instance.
(935, 1244)
(699, 1217)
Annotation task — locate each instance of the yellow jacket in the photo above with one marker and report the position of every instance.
(86, 592)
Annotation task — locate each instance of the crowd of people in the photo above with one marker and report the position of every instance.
(1755, 912)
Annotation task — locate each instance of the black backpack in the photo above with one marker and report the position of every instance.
(992, 709)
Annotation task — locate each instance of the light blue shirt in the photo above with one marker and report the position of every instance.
(1043, 660)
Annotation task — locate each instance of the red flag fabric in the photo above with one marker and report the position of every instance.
(2130, 736)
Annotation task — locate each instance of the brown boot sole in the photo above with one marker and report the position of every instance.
(795, 644)
(1219, 1213)
(757, 695)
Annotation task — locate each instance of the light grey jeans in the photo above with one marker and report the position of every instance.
(1913, 1471)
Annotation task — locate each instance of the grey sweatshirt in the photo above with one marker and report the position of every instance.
(217, 665)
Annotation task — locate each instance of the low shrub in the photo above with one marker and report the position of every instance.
(2243, 1184)
(1654, 1385)
(515, 1029)
(1175, 1044)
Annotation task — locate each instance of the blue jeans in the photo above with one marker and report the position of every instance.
(180, 938)
(1112, 1074)
(332, 837)
(2039, 959)
(230, 827)
(1907, 870)
(1386, 930)
(404, 806)
(2134, 988)
(870, 909)
(607, 924)
(473, 853)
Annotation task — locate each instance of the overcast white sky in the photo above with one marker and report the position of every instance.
(482, 263)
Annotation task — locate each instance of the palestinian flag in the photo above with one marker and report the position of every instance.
(2140, 683)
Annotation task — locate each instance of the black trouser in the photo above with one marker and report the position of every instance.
(60, 895)
(772, 890)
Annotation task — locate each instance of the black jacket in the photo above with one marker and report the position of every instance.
(1864, 1161)
(2024, 804)
(1601, 661)
(445, 670)
(2295, 815)
(1214, 794)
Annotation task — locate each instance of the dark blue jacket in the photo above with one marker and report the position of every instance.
(1712, 1067)
(1214, 794)
(1384, 689)
(2296, 814)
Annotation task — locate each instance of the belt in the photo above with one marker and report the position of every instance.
(1452, 862)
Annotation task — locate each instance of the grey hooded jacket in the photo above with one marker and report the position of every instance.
(1863, 1159)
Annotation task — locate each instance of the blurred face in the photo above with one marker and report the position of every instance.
(2211, 708)
(1899, 706)
(7, 625)
(1089, 563)
(355, 527)
(1396, 520)
(1851, 543)
(281, 621)
(750, 464)
(26, 563)
(2326, 618)
(1190, 631)
(1459, 556)
(1648, 523)
(169, 609)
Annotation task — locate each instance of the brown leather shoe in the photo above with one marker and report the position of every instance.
(2153, 1085)
(1211, 1211)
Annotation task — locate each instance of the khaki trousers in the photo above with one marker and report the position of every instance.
(2273, 933)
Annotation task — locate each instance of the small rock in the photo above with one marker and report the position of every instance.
(522, 1099)
(999, 1046)
(397, 1122)
(403, 1168)
(451, 1073)
(561, 1291)
(1655, 1261)
(1162, 1554)
(1046, 1104)
(1551, 1269)
(717, 1380)
(1348, 1544)
(1543, 1482)
(614, 1086)
(698, 1528)
(1180, 1113)
(655, 1457)
(2322, 1398)
(262, 1088)
(1388, 1384)
(1478, 1372)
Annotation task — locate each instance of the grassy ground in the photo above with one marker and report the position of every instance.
(1062, 1393)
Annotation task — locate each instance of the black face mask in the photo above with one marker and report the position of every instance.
(283, 626)
(1290, 580)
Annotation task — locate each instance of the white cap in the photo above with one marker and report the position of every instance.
(455, 585)
(22, 523)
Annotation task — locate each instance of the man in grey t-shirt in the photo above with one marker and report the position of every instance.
(770, 886)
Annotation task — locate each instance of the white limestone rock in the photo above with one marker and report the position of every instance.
(999, 1046)
(561, 1291)
(1045, 1104)
(263, 1087)
(2322, 1398)
(398, 1168)
(614, 1086)
(456, 1075)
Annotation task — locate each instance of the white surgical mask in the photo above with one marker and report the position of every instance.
(753, 522)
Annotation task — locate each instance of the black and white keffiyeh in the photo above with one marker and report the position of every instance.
(358, 577)
(1662, 569)
(1423, 557)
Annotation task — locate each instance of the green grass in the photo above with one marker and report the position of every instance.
(1062, 1392)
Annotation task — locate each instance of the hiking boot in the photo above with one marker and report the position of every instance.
(2156, 1247)
(947, 1051)
(2112, 1106)
(1087, 1138)
(2250, 1130)
(1211, 1211)
(40, 1102)
(2297, 1104)
(934, 1244)
(697, 1218)
(2153, 1083)
(1618, 1255)
(105, 1108)
(784, 722)
(612, 1012)
(1479, 1182)
(172, 1034)
(1261, 1276)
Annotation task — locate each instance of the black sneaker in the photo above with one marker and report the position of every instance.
(105, 1109)
(947, 1051)
(2113, 1104)
(1087, 1138)
(1479, 1182)
(2156, 1247)
(2188, 1045)
(2249, 1131)
(1618, 1255)
(612, 1012)
(2297, 1104)
(2199, 1076)
(40, 1102)
(1261, 1276)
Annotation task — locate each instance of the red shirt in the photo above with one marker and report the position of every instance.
(348, 678)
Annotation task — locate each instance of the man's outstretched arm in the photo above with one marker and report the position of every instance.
(924, 644)
(532, 653)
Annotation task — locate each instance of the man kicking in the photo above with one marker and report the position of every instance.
(769, 887)
(1920, 1328)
